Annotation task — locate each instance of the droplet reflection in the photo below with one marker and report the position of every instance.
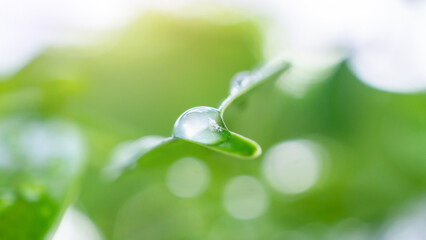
(293, 167)
(187, 177)
(245, 198)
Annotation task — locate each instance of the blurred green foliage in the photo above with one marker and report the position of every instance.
(145, 76)
(40, 162)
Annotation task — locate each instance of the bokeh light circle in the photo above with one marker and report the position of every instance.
(187, 177)
(293, 167)
(245, 198)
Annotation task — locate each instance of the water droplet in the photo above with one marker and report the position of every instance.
(246, 79)
(245, 198)
(243, 80)
(239, 81)
(187, 177)
(204, 125)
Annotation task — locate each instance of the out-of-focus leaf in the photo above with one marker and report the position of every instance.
(125, 156)
(40, 161)
(244, 82)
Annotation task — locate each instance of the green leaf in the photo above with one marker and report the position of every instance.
(125, 156)
(203, 125)
(40, 161)
(244, 82)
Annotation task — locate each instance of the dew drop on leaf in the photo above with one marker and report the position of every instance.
(243, 80)
(202, 125)
(205, 126)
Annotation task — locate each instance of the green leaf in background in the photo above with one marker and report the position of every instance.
(112, 92)
(40, 162)
(339, 162)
